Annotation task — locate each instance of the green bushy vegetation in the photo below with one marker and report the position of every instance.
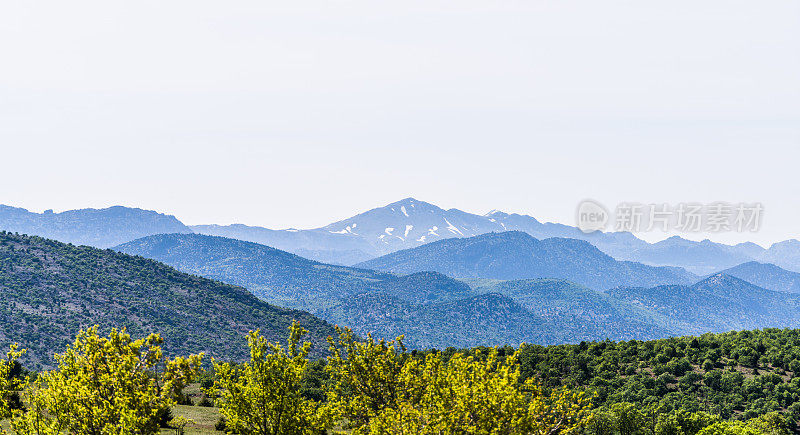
(116, 385)
(733, 376)
(716, 384)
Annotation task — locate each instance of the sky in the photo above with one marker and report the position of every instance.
(298, 114)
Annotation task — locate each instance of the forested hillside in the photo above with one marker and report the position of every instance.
(579, 313)
(735, 375)
(431, 309)
(768, 276)
(271, 274)
(517, 255)
(717, 303)
(434, 310)
(485, 319)
(51, 290)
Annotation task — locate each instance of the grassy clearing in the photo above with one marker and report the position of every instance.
(204, 419)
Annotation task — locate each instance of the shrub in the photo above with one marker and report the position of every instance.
(263, 396)
(108, 385)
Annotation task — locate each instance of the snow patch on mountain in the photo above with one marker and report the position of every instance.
(347, 230)
(453, 229)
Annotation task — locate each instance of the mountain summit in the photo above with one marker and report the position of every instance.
(518, 255)
(404, 224)
(101, 228)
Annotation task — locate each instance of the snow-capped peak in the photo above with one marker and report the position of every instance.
(496, 214)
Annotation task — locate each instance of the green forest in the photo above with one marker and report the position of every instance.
(732, 383)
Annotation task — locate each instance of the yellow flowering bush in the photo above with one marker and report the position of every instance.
(105, 386)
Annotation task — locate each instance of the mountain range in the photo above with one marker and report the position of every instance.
(766, 275)
(430, 308)
(283, 278)
(101, 228)
(410, 223)
(717, 303)
(435, 310)
(51, 290)
(702, 258)
(514, 255)
(400, 225)
(440, 277)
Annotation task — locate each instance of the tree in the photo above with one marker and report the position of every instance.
(366, 376)
(263, 396)
(381, 389)
(104, 386)
(767, 424)
(684, 423)
(477, 394)
(9, 383)
(602, 422)
(179, 424)
(629, 418)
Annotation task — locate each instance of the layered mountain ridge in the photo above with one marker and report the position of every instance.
(51, 290)
(516, 255)
(435, 310)
(410, 223)
(400, 225)
(101, 228)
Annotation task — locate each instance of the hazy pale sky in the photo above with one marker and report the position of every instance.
(296, 114)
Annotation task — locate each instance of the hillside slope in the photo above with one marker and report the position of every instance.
(516, 255)
(431, 309)
(581, 313)
(703, 257)
(737, 375)
(768, 276)
(718, 303)
(488, 319)
(51, 290)
(271, 274)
